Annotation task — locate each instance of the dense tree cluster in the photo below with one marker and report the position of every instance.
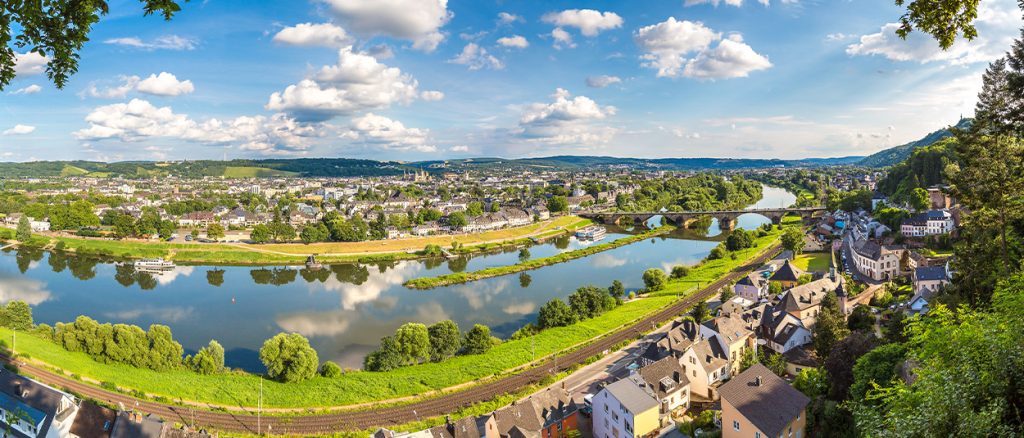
(121, 343)
(289, 358)
(587, 302)
(415, 343)
(695, 193)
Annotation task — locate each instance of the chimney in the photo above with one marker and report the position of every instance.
(757, 381)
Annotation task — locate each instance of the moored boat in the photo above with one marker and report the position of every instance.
(593, 232)
(154, 264)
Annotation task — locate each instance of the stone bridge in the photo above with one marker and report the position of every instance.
(726, 218)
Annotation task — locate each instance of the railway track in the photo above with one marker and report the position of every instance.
(322, 423)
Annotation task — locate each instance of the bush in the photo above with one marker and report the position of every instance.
(654, 279)
(478, 340)
(680, 271)
(716, 253)
(330, 370)
(289, 357)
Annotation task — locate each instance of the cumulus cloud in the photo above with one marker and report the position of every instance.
(684, 49)
(508, 18)
(516, 41)
(562, 38)
(386, 133)
(29, 63)
(602, 81)
(310, 34)
(431, 95)
(163, 84)
(459, 148)
(588, 21)
(166, 42)
(139, 120)
(565, 120)
(19, 130)
(418, 21)
(31, 89)
(358, 82)
(476, 58)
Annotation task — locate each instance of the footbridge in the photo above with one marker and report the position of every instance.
(726, 218)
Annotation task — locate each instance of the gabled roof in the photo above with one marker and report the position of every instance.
(787, 272)
(633, 398)
(665, 376)
(710, 355)
(729, 328)
(764, 399)
(930, 273)
(808, 295)
(752, 279)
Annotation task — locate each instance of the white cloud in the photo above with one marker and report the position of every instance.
(588, 21)
(668, 46)
(166, 42)
(29, 63)
(164, 84)
(459, 148)
(139, 120)
(508, 18)
(31, 89)
(309, 34)
(516, 41)
(562, 38)
(476, 58)
(736, 3)
(388, 134)
(431, 95)
(565, 120)
(381, 51)
(358, 82)
(20, 130)
(602, 81)
(418, 21)
(998, 22)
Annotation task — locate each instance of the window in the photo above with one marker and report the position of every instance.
(757, 434)
(735, 425)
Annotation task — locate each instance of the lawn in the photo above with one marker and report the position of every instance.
(817, 262)
(353, 387)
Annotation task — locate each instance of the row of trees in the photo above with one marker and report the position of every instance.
(695, 193)
(587, 302)
(415, 343)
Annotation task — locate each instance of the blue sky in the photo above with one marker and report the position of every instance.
(433, 79)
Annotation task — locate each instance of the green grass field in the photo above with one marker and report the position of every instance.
(817, 262)
(254, 172)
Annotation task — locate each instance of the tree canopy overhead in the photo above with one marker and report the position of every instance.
(56, 30)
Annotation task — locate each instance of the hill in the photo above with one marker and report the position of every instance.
(898, 154)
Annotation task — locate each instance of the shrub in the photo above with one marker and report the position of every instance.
(654, 279)
(289, 357)
(680, 271)
(330, 370)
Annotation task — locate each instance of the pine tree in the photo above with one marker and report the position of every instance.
(994, 109)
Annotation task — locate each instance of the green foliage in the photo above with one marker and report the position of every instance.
(701, 192)
(944, 20)
(616, 290)
(726, 294)
(457, 220)
(558, 204)
(445, 340)
(215, 231)
(654, 279)
(841, 359)
(24, 232)
(831, 326)
(813, 382)
(477, 340)
(891, 217)
(386, 357)
(717, 253)
(556, 313)
(700, 311)
(208, 360)
(474, 209)
(414, 342)
(289, 357)
(878, 368)
(330, 370)
(793, 239)
(773, 361)
(260, 234)
(860, 319)
(590, 301)
(121, 343)
(679, 271)
(16, 315)
(739, 239)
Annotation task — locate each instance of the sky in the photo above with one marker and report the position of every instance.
(416, 80)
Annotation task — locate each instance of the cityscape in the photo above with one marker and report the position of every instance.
(730, 219)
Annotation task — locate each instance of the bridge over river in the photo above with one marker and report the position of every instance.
(726, 218)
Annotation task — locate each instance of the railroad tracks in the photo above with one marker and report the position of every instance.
(323, 423)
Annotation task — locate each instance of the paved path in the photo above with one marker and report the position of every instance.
(328, 422)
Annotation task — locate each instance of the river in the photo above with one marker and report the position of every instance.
(345, 309)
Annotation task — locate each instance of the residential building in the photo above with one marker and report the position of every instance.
(666, 378)
(930, 223)
(787, 275)
(29, 408)
(753, 287)
(706, 364)
(929, 279)
(759, 404)
(548, 414)
(735, 339)
(880, 263)
(625, 410)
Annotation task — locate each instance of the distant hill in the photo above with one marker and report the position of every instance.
(898, 154)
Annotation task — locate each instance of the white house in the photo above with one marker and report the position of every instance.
(930, 223)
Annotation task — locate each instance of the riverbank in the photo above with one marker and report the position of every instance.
(228, 254)
(362, 389)
(466, 277)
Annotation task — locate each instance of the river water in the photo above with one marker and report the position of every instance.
(345, 309)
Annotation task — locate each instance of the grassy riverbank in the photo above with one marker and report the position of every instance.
(465, 277)
(360, 387)
(294, 253)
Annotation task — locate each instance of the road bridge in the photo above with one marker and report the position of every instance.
(726, 218)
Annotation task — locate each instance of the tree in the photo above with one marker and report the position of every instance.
(831, 326)
(445, 340)
(478, 340)
(793, 240)
(589, 301)
(813, 382)
(474, 209)
(457, 220)
(215, 231)
(944, 20)
(679, 271)
(555, 313)
(289, 357)
(166, 230)
(841, 359)
(260, 234)
(738, 239)
(209, 359)
(726, 294)
(215, 277)
(524, 255)
(861, 319)
(330, 370)
(616, 290)
(164, 352)
(24, 231)
(124, 226)
(880, 366)
(314, 233)
(17, 315)
(919, 199)
(282, 231)
(700, 311)
(558, 204)
(387, 357)
(654, 279)
(413, 341)
(57, 30)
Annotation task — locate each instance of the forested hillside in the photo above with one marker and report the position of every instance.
(894, 155)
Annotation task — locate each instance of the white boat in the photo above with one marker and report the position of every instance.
(593, 232)
(153, 264)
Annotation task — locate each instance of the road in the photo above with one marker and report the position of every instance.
(334, 421)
